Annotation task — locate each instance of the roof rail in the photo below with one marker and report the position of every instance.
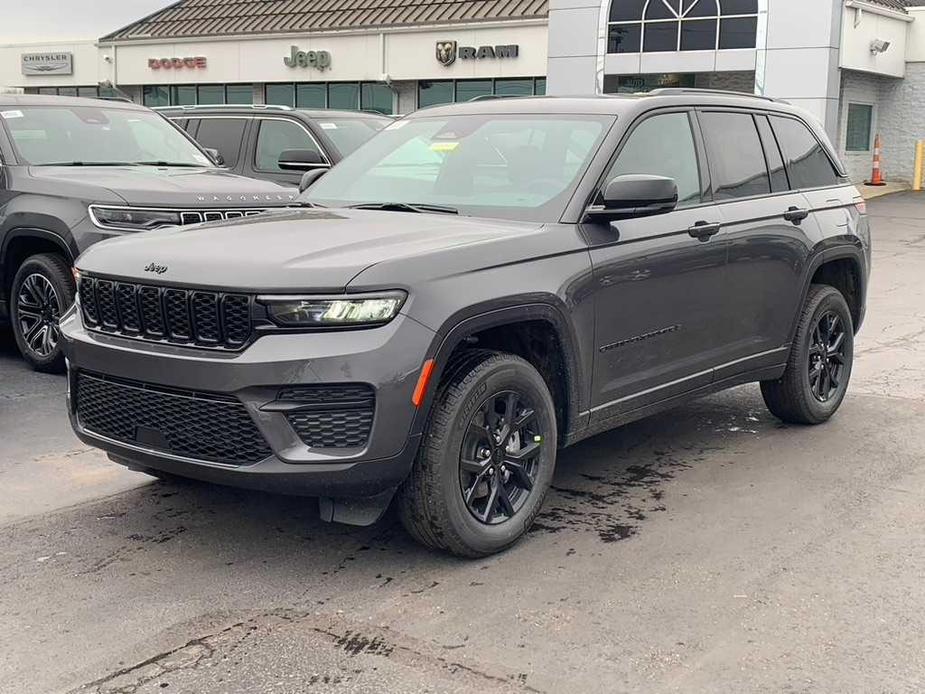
(665, 91)
(194, 107)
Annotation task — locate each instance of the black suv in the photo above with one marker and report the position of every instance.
(76, 171)
(277, 143)
(476, 287)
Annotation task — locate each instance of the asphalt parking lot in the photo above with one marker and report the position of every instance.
(708, 549)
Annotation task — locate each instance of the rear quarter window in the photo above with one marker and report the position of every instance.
(807, 162)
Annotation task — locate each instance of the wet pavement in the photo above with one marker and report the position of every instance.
(707, 549)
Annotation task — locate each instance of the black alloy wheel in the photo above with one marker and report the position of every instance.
(815, 380)
(827, 356)
(38, 313)
(500, 457)
(487, 456)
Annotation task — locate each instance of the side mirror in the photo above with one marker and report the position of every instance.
(635, 195)
(309, 177)
(302, 159)
(215, 156)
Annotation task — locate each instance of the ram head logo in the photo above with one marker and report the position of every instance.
(446, 52)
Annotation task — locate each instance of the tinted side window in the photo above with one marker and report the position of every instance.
(275, 137)
(224, 134)
(736, 158)
(663, 146)
(772, 154)
(807, 162)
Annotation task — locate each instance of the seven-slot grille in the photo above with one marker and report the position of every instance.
(168, 314)
(331, 415)
(199, 426)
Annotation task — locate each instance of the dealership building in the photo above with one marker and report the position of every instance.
(857, 65)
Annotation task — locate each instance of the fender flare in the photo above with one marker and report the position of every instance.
(67, 248)
(477, 319)
(840, 252)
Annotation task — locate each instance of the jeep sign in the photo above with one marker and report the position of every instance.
(48, 63)
(316, 59)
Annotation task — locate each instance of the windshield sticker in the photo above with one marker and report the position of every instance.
(328, 126)
(443, 146)
(11, 114)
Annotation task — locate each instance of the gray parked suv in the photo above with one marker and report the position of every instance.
(76, 171)
(476, 287)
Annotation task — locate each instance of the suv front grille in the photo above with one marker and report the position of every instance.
(166, 314)
(331, 415)
(201, 426)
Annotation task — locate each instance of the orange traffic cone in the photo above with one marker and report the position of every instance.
(876, 176)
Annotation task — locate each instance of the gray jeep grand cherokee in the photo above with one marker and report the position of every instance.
(476, 287)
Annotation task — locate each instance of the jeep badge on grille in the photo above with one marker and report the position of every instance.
(155, 268)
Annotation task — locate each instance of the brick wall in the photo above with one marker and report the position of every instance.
(899, 118)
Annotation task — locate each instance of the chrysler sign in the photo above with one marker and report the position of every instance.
(48, 63)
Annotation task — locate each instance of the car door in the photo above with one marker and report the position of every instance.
(769, 233)
(273, 137)
(227, 134)
(658, 280)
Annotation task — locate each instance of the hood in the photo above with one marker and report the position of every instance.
(177, 187)
(292, 250)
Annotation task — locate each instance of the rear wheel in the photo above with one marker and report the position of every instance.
(43, 289)
(487, 459)
(816, 380)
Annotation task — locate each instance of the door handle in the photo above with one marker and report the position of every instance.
(796, 215)
(704, 230)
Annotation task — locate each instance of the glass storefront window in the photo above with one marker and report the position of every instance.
(211, 94)
(466, 90)
(311, 96)
(239, 94)
(375, 96)
(514, 87)
(280, 94)
(344, 95)
(541, 86)
(156, 96)
(89, 92)
(433, 93)
(183, 96)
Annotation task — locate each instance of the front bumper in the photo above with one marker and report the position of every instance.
(387, 358)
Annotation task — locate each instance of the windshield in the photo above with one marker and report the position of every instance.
(75, 135)
(511, 166)
(349, 133)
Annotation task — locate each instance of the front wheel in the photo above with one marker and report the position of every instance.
(487, 458)
(43, 289)
(819, 368)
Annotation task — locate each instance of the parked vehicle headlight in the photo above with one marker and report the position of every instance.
(132, 218)
(361, 310)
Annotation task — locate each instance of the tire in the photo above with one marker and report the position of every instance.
(796, 397)
(43, 282)
(477, 390)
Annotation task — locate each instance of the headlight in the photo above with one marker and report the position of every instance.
(322, 312)
(132, 219)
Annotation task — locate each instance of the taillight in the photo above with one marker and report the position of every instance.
(861, 207)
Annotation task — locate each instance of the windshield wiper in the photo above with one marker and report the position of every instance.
(88, 163)
(170, 163)
(404, 207)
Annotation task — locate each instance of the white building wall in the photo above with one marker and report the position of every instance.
(90, 65)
